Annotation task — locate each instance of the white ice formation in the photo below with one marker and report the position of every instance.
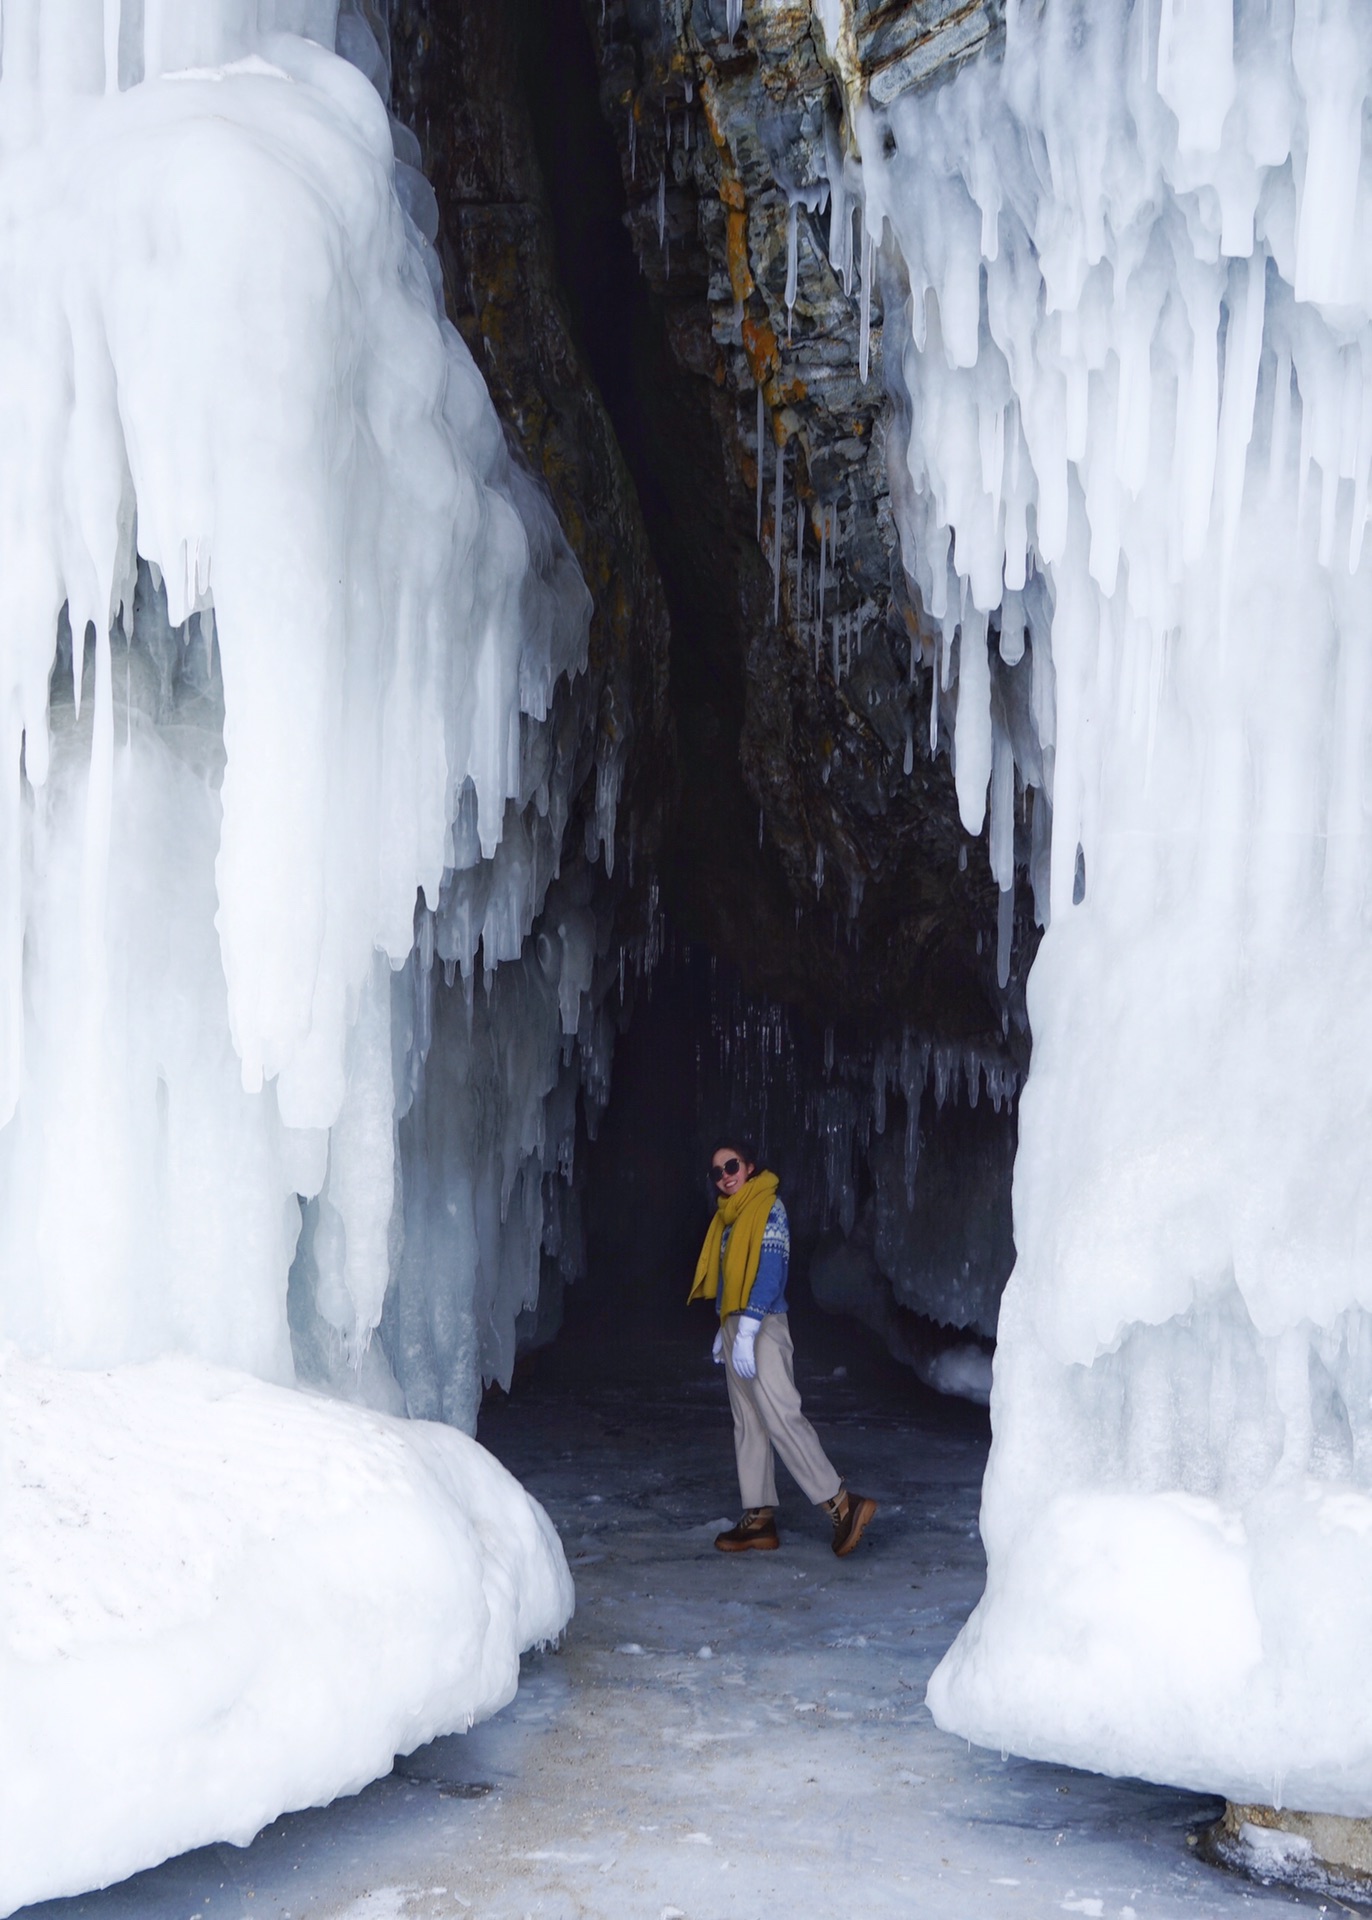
(1129, 325)
(321, 617)
(223, 1597)
(292, 716)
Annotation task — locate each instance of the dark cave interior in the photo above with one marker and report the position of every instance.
(852, 1036)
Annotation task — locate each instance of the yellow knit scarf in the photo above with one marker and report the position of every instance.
(746, 1213)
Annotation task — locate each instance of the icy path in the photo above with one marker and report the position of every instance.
(791, 1770)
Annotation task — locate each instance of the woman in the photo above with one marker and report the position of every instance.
(743, 1266)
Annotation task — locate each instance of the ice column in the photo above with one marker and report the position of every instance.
(1139, 367)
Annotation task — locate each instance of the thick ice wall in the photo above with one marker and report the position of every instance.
(1140, 430)
(221, 357)
(288, 650)
(221, 1598)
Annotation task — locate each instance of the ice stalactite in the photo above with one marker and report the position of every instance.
(1131, 252)
(325, 632)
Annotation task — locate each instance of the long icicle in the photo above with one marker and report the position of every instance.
(865, 304)
(761, 421)
(823, 554)
(800, 552)
(778, 502)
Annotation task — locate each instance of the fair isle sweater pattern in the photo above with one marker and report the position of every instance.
(768, 1293)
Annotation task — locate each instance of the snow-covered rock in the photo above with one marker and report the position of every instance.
(220, 1599)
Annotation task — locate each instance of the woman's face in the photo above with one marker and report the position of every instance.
(729, 1171)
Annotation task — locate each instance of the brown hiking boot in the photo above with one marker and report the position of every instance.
(850, 1513)
(756, 1531)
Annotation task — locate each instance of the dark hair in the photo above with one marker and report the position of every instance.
(738, 1143)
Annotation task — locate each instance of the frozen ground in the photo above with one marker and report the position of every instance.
(738, 1737)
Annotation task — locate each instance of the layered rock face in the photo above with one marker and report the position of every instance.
(735, 153)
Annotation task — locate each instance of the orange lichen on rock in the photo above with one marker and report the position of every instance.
(707, 101)
(760, 345)
(740, 273)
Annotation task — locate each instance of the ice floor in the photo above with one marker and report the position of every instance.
(722, 1737)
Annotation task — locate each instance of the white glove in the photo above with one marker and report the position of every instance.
(743, 1359)
(717, 1350)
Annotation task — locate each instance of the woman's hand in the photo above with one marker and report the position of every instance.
(743, 1359)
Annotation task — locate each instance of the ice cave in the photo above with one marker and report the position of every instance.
(591, 586)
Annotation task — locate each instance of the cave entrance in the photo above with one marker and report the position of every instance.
(895, 1172)
(845, 1013)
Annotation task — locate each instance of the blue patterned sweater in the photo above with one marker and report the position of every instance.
(769, 1288)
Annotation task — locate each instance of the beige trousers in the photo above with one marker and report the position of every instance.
(767, 1416)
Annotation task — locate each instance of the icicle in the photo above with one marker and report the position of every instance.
(734, 18)
(662, 207)
(95, 851)
(761, 425)
(792, 263)
(800, 548)
(1005, 929)
(778, 503)
(911, 1155)
(1012, 628)
(823, 557)
(865, 305)
(1002, 806)
(838, 673)
(909, 746)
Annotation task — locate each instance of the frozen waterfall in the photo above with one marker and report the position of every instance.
(291, 724)
(319, 619)
(1129, 321)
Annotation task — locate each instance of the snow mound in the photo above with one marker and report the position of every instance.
(1114, 1602)
(222, 1599)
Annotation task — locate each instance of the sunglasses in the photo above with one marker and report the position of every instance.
(724, 1171)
